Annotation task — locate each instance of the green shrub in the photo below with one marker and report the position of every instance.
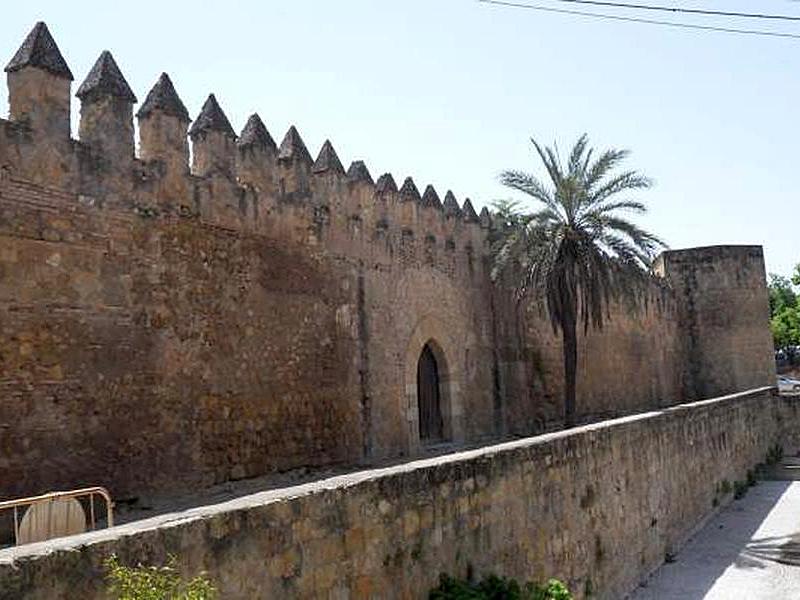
(493, 587)
(739, 489)
(155, 583)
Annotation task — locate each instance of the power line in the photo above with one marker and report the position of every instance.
(564, 11)
(680, 10)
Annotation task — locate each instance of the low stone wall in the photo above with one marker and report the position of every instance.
(598, 506)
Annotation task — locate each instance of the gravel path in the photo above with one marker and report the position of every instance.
(749, 551)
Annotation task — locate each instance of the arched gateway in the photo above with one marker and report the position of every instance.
(429, 397)
(433, 403)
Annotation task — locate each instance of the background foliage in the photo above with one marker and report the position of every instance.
(784, 308)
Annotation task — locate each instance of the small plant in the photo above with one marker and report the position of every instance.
(739, 489)
(155, 583)
(774, 454)
(751, 478)
(725, 487)
(493, 587)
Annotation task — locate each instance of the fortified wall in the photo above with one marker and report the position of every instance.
(598, 506)
(170, 323)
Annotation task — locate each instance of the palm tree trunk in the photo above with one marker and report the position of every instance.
(570, 345)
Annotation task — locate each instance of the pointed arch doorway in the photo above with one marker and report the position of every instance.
(433, 400)
(429, 398)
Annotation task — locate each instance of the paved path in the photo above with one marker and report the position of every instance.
(750, 551)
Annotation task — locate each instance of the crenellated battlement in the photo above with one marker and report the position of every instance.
(241, 182)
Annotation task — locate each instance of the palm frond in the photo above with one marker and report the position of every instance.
(630, 180)
(606, 162)
(576, 158)
(530, 185)
(577, 252)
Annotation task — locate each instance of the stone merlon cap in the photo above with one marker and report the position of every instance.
(451, 207)
(293, 147)
(358, 171)
(211, 118)
(385, 184)
(470, 216)
(430, 198)
(409, 189)
(255, 135)
(105, 79)
(327, 160)
(39, 50)
(164, 98)
(486, 217)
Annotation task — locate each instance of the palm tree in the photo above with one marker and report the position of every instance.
(577, 252)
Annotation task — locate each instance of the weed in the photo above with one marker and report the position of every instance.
(739, 489)
(492, 587)
(155, 583)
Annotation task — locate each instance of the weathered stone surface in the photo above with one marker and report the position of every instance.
(39, 50)
(328, 161)
(385, 184)
(430, 198)
(358, 172)
(470, 216)
(164, 99)
(725, 307)
(105, 79)
(485, 218)
(211, 118)
(255, 134)
(451, 207)
(597, 506)
(173, 329)
(409, 191)
(293, 148)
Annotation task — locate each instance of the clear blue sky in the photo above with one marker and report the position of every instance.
(450, 91)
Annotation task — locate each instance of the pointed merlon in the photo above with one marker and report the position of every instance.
(293, 147)
(327, 160)
(358, 171)
(40, 50)
(105, 79)
(485, 218)
(163, 98)
(409, 190)
(451, 207)
(470, 216)
(386, 184)
(430, 198)
(211, 118)
(255, 135)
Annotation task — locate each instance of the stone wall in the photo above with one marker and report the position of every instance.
(165, 326)
(598, 506)
(723, 311)
(631, 365)
(153, 354)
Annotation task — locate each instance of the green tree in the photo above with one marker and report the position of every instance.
(577, 252)
(781, 294)
(784, 309)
